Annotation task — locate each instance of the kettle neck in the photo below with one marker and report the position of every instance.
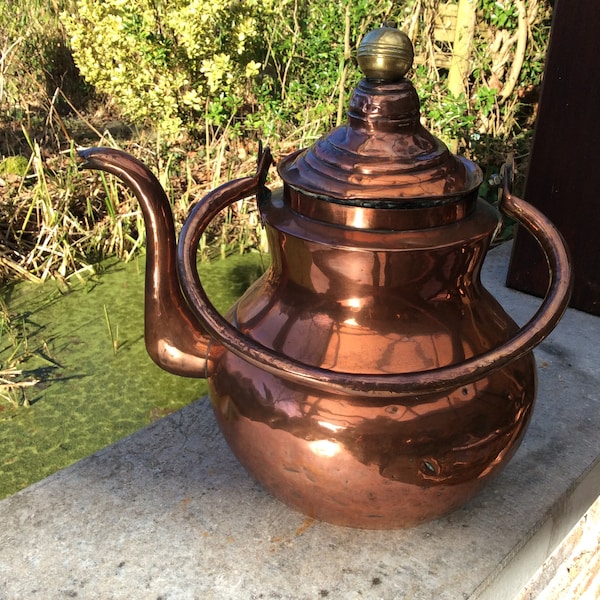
(315, 255)
(383, 217)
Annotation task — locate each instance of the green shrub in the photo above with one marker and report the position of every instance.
(34, 58)
(181, 63)
(168, 63)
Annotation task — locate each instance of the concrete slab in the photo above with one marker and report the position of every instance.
(169, 513)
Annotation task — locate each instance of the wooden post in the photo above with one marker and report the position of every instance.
(460, 67)
(563, 180)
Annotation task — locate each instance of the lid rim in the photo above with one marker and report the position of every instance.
(391, 203)
(372, 192)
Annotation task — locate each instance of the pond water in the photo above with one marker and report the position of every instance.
(96, 385)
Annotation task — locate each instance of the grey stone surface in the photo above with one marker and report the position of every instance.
(169, 513)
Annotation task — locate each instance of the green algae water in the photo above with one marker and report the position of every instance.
(96, 383)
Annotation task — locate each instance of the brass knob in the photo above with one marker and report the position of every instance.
(386, 54)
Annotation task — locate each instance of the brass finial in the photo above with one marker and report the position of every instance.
(385, 53)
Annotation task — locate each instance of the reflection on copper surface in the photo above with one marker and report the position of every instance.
(387, 455)
(324, 448)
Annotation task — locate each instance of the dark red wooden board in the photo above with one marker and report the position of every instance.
(563, 178)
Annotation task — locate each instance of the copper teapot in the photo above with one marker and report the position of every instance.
(367, 379)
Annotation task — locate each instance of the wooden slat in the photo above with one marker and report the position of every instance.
(445, 23)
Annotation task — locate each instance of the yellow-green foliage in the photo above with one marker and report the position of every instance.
(165, 62)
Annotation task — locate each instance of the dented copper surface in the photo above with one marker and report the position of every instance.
(367, 378)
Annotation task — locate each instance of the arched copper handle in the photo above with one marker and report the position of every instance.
(374, 385)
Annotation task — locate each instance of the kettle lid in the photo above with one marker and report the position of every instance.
(382, 157)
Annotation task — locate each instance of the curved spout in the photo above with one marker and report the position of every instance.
(175, 340)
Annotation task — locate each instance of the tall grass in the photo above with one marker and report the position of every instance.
(14, 350)
(59, 221)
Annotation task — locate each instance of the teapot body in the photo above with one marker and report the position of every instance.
(373, 302)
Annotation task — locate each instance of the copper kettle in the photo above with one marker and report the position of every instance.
(367, 378)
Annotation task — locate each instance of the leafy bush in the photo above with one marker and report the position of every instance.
(285, 67)
(34, 57)
(165, 63)
(180, 63)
